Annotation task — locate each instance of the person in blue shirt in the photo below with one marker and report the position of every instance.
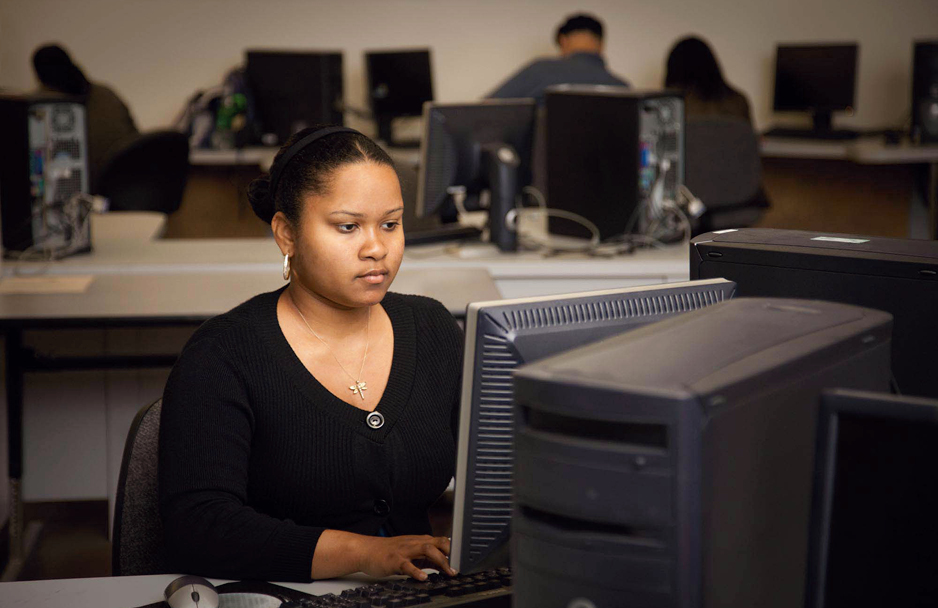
(580, 39)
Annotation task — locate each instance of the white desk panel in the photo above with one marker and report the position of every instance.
(125, 591)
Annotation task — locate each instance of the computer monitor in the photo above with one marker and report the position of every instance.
(399, 83)
(874, 527)
(292, 90)
(899, 276)
(672, 466)
(471, 148)
(820, 79)
(504, 334)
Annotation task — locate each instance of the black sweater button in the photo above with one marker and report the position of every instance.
(382, 508)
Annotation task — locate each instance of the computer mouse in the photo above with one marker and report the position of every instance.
(191, 592)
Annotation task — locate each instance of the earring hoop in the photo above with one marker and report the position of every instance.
(286, 267)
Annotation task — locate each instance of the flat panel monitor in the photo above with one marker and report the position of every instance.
(874, 527)
(293, 90)
(468, 149)
(816, 78)
(504, 334)
(672, 465)
(899, 276)
(399, 83)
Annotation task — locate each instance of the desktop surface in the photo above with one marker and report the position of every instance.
(486, 590)
(828, 135)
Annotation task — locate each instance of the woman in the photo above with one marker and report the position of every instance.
(693, 68)
(305, 433)
(109, 123)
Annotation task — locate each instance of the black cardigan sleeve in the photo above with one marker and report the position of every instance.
(206, 429)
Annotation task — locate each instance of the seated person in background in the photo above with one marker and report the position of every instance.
(109, 121)
(693, 68)
(580, 39)
(305, 433)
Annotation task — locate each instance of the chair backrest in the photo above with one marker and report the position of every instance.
(137, 546)
(147, 174)
(722, 164)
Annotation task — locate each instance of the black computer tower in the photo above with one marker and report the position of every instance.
(43, 164)
(605, 147)
(671, 467)
(292, 90)
(899, 276)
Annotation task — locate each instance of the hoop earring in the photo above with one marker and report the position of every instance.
(286, 267)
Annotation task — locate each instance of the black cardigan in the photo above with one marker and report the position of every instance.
(257, 458)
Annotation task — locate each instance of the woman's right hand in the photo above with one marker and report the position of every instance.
(383, 556)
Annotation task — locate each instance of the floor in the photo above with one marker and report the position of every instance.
(74, 540)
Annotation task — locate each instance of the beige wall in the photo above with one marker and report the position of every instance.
(157, 52)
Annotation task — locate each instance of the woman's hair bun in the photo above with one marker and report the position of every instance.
(261, 200)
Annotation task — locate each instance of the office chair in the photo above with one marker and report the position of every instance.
(137, 546)
(148, 173)
(723, 168)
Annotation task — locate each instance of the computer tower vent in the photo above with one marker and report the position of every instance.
(622, 308)
(64, 118)
(492, 483)
(70, 147)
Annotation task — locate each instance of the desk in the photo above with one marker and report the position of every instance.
(260, 157)
(526, 274)
(154, 283)
(125, 591)
(134, 226)
(164, 283)
(865, 151)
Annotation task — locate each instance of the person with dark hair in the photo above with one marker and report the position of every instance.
(109, 122)
(693, 68)
(580, 39)
(305, 433)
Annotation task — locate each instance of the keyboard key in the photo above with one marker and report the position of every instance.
(437, 589)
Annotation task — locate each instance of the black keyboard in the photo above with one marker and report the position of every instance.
(833, 135)
(489, 589)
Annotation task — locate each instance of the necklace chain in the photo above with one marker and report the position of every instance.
(359, 386)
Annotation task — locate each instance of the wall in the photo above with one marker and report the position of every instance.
(158, 52)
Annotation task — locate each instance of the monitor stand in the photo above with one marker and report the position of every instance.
(823, 121)
(823, 129)
(386, 134)
(500, 166)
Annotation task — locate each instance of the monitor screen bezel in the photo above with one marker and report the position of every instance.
(777, 104)
(421, 208)
(421, 52)
(833, 404)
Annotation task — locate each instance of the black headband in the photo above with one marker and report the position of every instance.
(295, 149)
